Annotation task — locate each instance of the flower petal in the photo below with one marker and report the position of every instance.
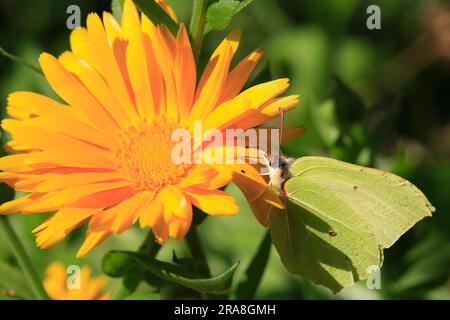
(214, 77)
(41, 138)
(108, 65)
(51, 159)
(174, 200)
(112, 27)
(31, 203)
(68, 87)
(130, 20)
(240, 74)
(152, 215)
(96, 85)
(81, 46)
(127, 212)
(184, 74)
(139, 77)
(214, 202)
(269, 110)
(53, 182)
(100, 195)
(234, 110)
(178, 228)
(45, 112)
(59, 225)
(93, 239)
(206, 177)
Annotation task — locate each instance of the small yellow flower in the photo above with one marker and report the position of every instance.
(86, 288)
(104, 157)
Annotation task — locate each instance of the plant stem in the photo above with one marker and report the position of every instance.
(148, 247)
(197, 252)
(198, 23)
(12, 57)
(24, 260)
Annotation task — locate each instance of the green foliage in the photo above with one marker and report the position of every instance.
(117, 8)
(343, 128)
(12, 279)
(247, 287)
(432, 254)
(117, 265)
(339, 217)
(156, 14)
(169, 272)
(221, 12)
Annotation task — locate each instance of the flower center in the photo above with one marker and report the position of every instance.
(144, 155)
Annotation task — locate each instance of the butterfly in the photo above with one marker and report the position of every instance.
(330, 220)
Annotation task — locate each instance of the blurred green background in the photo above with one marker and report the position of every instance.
(373, 97)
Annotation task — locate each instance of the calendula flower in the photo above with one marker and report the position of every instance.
(80, 286)
(104, 156)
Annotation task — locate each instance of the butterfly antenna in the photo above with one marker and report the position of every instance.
(281, 130)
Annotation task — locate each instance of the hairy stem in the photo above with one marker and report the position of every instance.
(12, 57)
(198, 22)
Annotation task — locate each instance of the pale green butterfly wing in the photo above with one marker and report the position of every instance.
(338, 218)
(323, 249)
(389, 204)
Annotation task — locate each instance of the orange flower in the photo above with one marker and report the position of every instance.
(104, 157)
(84, 288)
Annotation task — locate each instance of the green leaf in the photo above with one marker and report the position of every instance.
(122, 266)
(243, 4)
(117, 265)
(216, 285)
(156, 14)
(247, 288)
(339, 217)
(117, 8)
(220, 13)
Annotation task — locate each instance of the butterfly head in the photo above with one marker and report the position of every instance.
(278, 170)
